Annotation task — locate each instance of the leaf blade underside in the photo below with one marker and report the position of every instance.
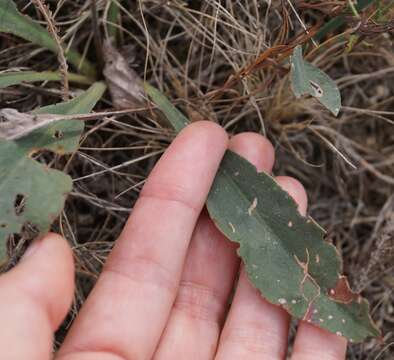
(307, 79)
(252, 210)
(285, 255)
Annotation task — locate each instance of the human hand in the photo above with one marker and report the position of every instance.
(164, 291)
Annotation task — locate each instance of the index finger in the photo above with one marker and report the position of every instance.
(128, 308)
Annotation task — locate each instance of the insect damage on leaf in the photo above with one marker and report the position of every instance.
(252, 206)
(307, 79)
(31, 192)
(284, 253)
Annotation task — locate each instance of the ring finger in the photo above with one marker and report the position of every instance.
(256, 329)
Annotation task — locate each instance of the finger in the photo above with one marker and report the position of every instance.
(312, 342)
(256, 329)
(196, 319)
(34, 299)
(129, 307)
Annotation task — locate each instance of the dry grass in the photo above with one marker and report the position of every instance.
(190, 51)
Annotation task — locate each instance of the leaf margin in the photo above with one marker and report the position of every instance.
(178, 121)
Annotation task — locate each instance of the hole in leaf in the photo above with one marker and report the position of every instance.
(317, 89)
(58, 134)
(3, 225)
(3, 119)
(19, 204)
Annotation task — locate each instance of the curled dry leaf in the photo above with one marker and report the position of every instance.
(124, 84)
(15, 125)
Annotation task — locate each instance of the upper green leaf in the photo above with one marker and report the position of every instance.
(285, 255)
(13, 22)
(307, 79)
(31, 192)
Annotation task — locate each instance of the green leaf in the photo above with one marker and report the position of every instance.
(19, 77)
(177, 119)
(112, 20)
(285, 255)
(307, 79)
(40, 190)
(13, 22)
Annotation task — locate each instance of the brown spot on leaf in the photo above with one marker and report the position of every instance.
(232, 227)
(342, 292)
(58, 134)
(252, 206)
(309, 313)
(317, 89)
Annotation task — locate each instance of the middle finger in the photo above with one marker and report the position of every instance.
(196, 319)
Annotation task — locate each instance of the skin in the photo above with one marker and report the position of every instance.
(164, 291)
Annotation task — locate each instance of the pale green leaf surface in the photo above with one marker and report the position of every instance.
(112, 20)
(179, 121)
(44, 189)
(307, 79)
(13, 22)
(285, 255)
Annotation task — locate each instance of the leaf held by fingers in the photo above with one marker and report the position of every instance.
(285, 255)
(32, 193)
(307, 79)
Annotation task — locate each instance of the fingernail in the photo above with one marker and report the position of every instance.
(33, 247)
